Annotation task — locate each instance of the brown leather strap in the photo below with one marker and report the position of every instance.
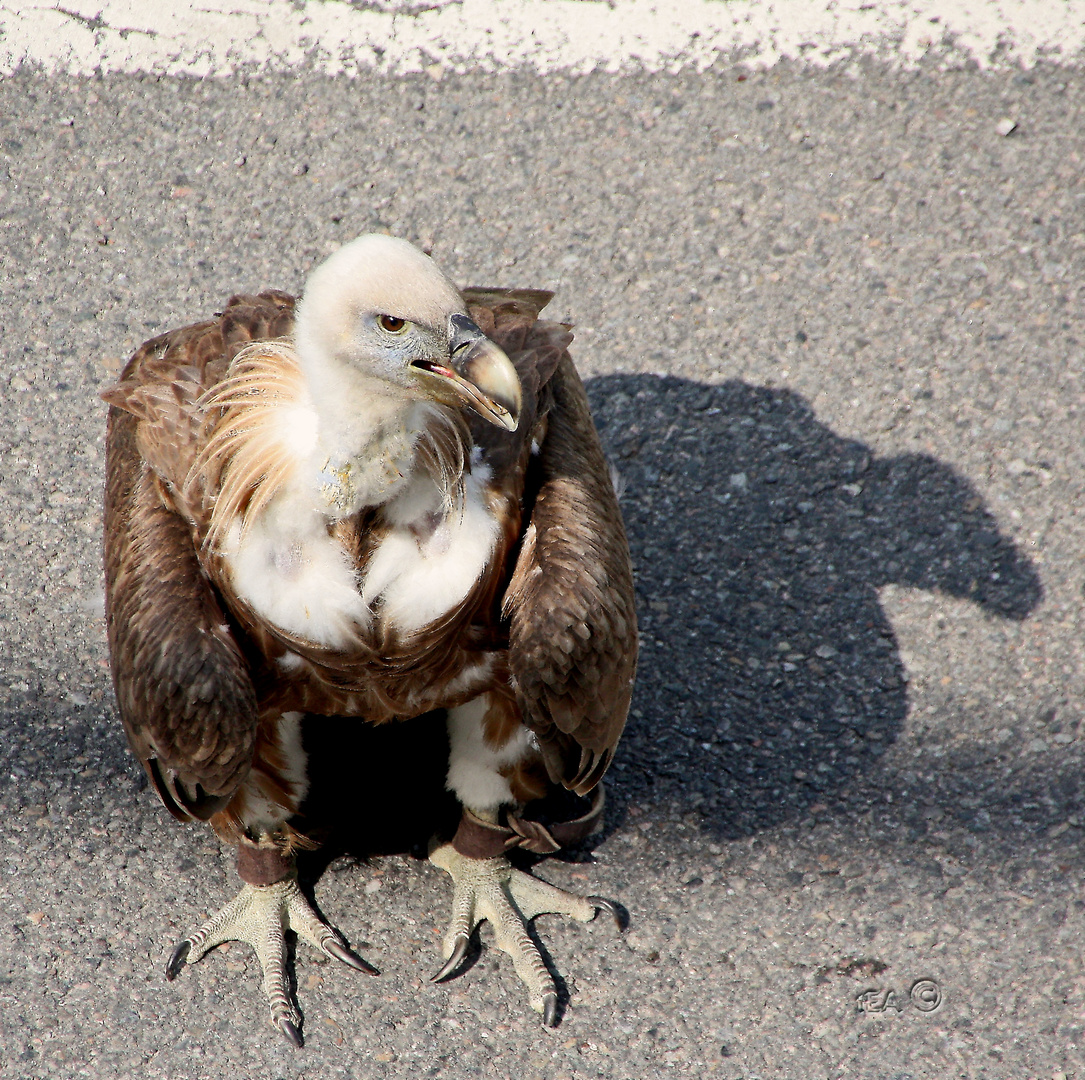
(569, 832)
(263, 865)
(478, 839)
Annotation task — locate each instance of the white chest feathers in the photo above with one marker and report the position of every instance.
(295, 575)
(430, 559)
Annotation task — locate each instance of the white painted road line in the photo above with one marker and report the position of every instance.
(215, 37)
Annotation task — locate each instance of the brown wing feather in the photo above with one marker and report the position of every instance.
(571, 609)
(183, 686)
(166, 377)
(509, 317)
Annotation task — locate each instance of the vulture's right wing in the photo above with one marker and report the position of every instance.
(183, 686)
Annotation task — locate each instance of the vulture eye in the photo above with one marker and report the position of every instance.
(392, 324)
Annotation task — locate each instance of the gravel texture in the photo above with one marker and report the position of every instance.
(832, 326)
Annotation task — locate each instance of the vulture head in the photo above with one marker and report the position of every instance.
(380, 326)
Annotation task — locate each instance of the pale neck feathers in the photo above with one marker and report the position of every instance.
(266, 440)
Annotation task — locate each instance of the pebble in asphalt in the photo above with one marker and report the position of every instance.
(832, 328)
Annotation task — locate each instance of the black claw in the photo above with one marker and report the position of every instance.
(177, 960)
(338, 951)
(550, 1010)
(290, 1030)
(616, 911)
(459, 951)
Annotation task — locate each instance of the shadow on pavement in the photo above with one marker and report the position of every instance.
(770, 676)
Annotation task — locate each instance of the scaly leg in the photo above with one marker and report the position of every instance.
(260, 915)
(270, 902)
(508, 899)
(485, 885)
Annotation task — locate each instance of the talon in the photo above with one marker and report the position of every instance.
(616, 912)
(338, 951)
(459, 951)
(177, 960)
(493, 891)
(260, 915)
(290, 1030)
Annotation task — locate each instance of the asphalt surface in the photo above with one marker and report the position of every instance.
(832, 327)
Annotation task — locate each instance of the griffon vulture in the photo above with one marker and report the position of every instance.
(385, 499)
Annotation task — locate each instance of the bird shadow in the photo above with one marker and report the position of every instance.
(770, 676)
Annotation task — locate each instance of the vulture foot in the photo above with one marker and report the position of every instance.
(260, 915)
(492, 889)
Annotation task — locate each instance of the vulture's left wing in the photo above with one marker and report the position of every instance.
(570, 603)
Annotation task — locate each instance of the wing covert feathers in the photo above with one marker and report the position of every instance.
(570, 603)
(183, 687)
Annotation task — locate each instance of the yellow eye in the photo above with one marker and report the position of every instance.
(392, 324)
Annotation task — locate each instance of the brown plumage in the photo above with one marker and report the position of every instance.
(390, 501)
(194, 668)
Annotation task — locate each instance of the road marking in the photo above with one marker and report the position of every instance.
(217, 37)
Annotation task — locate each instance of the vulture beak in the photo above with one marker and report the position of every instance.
(477, 373)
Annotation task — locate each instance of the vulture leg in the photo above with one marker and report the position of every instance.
(485, 885)
(508, 899)
(260, 915)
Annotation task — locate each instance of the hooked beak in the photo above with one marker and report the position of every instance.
(477, 373)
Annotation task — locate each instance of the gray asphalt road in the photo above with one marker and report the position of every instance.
(833, 328)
